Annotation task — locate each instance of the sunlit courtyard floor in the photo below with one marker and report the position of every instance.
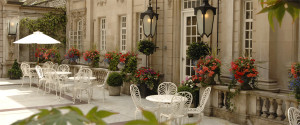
(18, 102)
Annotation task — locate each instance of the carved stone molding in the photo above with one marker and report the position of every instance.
(101, 2)
(120, 1)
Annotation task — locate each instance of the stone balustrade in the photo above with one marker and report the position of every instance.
(255, 106)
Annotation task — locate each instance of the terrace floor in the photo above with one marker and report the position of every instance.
(18, 102)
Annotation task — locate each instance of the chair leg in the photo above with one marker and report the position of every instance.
(30, 81)
(22, 81)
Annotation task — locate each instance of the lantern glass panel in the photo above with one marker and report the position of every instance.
(209, 18)
(200, 21)
(153, 29)
(12, 28)
(147, 25)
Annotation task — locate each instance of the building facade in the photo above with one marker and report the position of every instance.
(114, 25)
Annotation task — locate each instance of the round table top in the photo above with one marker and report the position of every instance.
(91, 78)
(161, 98)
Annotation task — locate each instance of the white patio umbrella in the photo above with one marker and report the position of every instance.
(38, 38)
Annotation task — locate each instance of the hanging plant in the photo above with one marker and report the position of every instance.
(146, 47)
(197, 50)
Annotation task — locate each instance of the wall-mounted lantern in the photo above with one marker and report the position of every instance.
(205, 18)
(12, 28)
(149, 19)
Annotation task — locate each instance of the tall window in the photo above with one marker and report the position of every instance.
(190, 4)
(123, 33)
(76, 36)
(103, 33)
(248, 24)
(140, 29)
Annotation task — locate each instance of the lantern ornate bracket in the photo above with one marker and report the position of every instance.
(205, 18)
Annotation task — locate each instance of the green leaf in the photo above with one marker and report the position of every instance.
(150, 116)
(104, 114)
(72, 108)
(280, 11)
(294, 12)
(270, 17)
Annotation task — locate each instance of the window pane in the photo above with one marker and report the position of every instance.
(188, 31)
(188, 71)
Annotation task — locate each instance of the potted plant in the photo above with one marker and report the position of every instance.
(52, 55)
(146, 79)
(114, 82)
(15, 72)
(113, 59)
(207, 69)
(146, 47)
(39, 53)
(72, 55)
(191, 86)
(130, 66)
(244, 72)
(197, 50)
(92, 57)
(295, 80)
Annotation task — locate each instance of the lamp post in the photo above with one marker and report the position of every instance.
(205, 18)
(149, 19)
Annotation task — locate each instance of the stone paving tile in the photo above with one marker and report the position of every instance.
(18, 102)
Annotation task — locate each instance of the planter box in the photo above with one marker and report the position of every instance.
(114, 91)
(125, 89)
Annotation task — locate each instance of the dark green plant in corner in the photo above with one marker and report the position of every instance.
(146, 47)
(197, 50)
(115, 79)
(15, 72)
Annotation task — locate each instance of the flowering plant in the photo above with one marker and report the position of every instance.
(189, 81)
(191, 86)
(52, 54)
(146, 76)
(130, 61)
(73, 54)
(39, 53)
(207, 69)
(92, 56)
(113, 59)
(244, 72)
(295, 80)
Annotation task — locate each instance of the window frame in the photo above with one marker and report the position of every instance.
(102, 33)
(246, 20)
(123, 40)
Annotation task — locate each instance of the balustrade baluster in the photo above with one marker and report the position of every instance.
(265, 107)
(279, 111)
(258, 106)
(272, 109)
(287, 106)
(224, 100)
(220, 100)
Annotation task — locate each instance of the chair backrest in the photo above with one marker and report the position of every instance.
(63, 68)
(39, 71)
(167, 88)
(51, 76)
(204, 99)
(86, 71)
(136, 96)
(178, 105)
(294, 116)
(188, 97)
(25, 69)
(54, 66)
(48, 64)
(82, 79)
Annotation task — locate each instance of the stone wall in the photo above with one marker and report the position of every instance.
(1, 38)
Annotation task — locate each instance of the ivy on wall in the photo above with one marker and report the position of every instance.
(52, 23)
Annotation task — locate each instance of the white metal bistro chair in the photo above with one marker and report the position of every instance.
(167, 88)
(102, 78)
(294, 116)
(54, 66)
(177, 109)
(200, 108)
(63, 68)
(52, 80)
(82, 84)
(41, 77)
(136, 98)
(26, 73)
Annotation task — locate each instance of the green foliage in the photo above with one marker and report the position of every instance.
(15, 72)
(146, 47)
(52, 23)
(113, 59)
(197, 50)
(74, 116)
(115, 79)
(278, 8)
(130, 66)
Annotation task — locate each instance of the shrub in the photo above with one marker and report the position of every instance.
(113, 59)
(15, 72)
(197, 50)
(146, 47)
(115, 79)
